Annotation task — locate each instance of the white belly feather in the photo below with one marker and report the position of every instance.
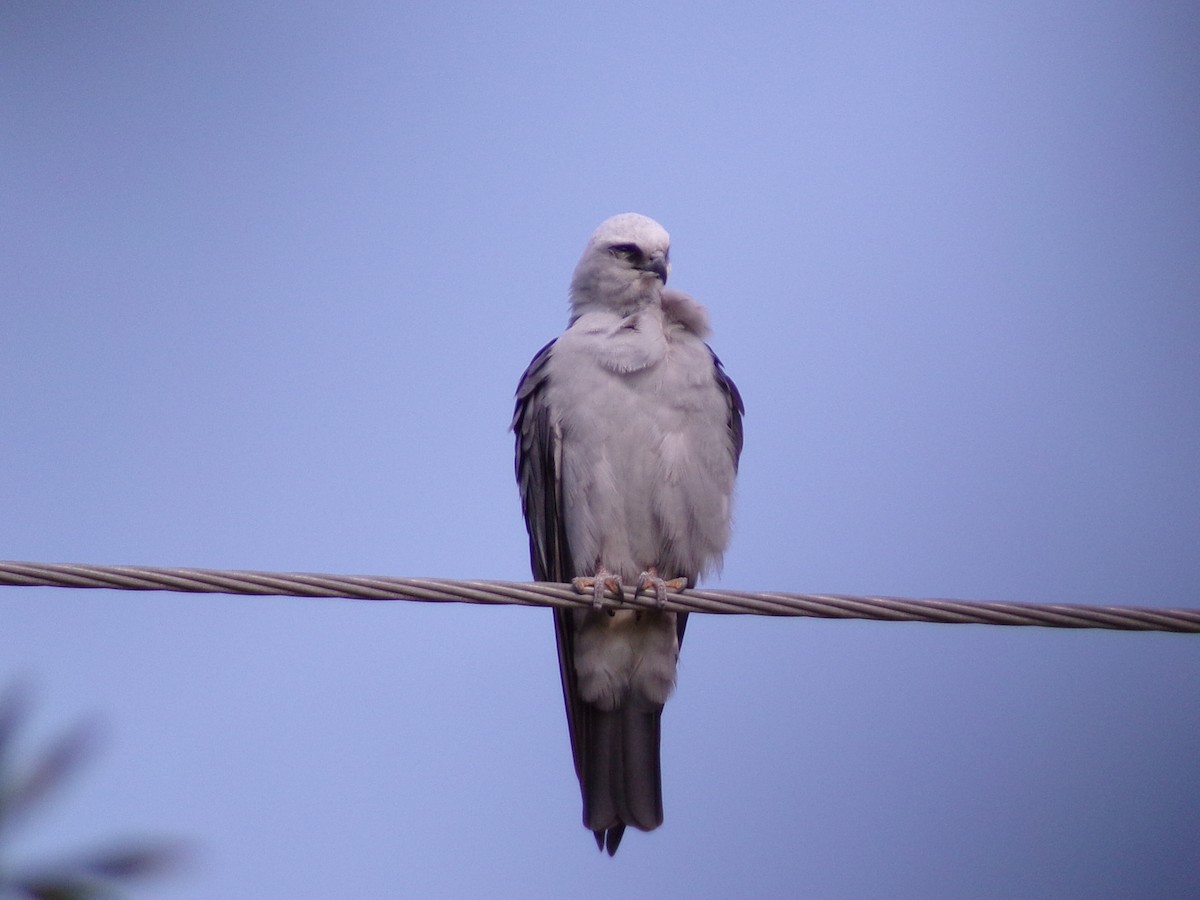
(646, 468)
(647, 476)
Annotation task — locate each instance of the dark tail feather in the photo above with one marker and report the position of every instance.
(622, 779)
(612, 838)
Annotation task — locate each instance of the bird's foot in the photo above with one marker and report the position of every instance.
(651, 579)
(596, 586)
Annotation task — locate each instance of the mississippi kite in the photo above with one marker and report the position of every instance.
(628, 434)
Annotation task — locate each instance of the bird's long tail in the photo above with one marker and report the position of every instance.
(622, 780)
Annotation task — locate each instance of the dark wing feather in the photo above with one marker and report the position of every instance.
(539, 479)
(537, 464)
(737, 409)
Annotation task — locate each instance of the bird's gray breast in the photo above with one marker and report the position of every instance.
(646, 470)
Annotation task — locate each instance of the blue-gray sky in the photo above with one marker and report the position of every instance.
(269, 275)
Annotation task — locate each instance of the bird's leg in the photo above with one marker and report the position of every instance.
(596, 584)
(651, 579)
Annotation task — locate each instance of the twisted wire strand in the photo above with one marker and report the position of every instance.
(444, 590)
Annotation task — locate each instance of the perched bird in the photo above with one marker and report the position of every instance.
(628, 434)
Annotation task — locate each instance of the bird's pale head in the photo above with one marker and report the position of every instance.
(624, 266)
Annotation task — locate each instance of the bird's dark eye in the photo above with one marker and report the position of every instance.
(630, 252)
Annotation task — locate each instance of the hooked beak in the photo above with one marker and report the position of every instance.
(657, 264)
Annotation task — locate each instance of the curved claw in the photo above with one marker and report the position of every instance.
(596, 586)
(650, 579)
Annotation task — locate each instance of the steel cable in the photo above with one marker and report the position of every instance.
(444, 590)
